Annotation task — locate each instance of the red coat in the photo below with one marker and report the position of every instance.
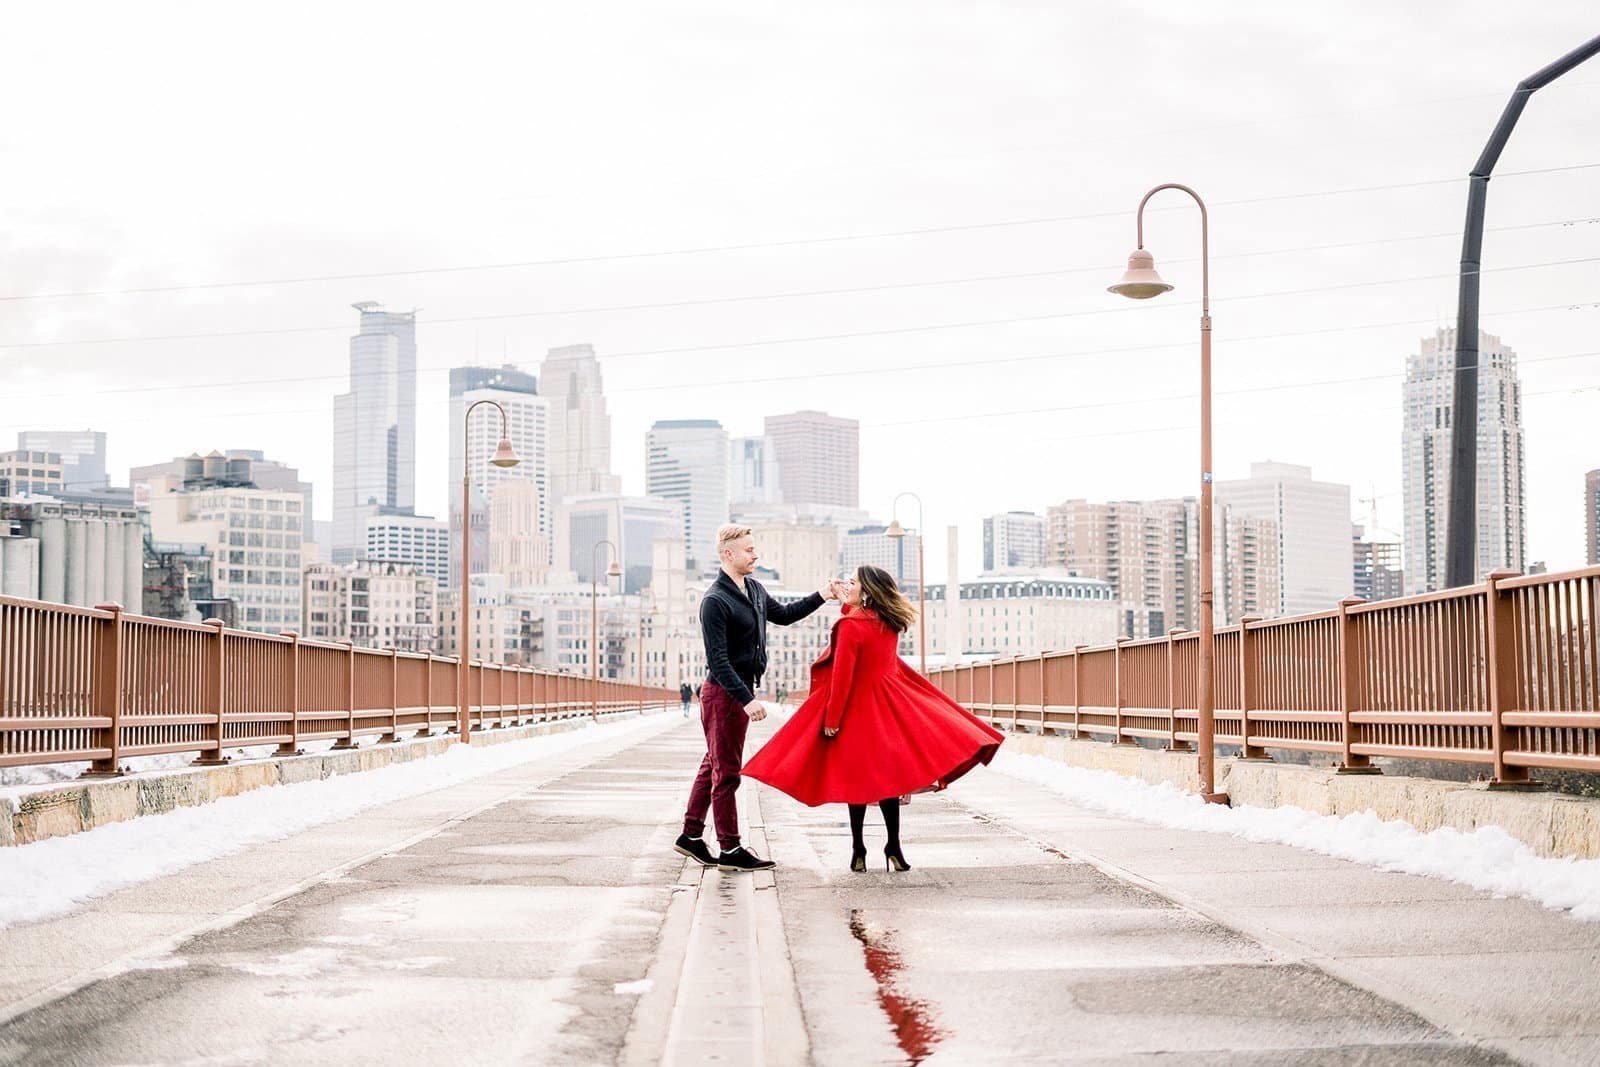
(897, 732)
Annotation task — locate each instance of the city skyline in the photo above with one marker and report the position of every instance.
(975, 345)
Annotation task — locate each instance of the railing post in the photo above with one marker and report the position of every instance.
(292, 747)
(1077, 692)
(217, 683)
(1016, 691)
(427, 698)
(1044, 696)
(394, 698)
(1173, 744)
(1350, 694)
(108, 693)
(1249, 686)
(349, 738)
(991, 712)
(1500, 637)
(1116, 653)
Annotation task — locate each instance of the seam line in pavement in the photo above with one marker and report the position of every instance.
(165, 945)
(1279, 944)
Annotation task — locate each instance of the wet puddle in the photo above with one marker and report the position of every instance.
(914, 1028)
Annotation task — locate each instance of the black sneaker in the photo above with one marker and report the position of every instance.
(739, 858)
(695, 848)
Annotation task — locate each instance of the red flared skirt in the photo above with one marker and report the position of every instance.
(900, 734)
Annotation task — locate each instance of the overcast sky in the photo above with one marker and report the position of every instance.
(529, 175)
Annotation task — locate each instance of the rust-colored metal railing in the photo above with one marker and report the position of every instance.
(100, 685)
(1505, 673)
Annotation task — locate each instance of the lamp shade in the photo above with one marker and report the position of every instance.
(504, 455)
(1141, 281)
(613, 571)
(895, 530)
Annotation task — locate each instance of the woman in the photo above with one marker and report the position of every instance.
(872, 729)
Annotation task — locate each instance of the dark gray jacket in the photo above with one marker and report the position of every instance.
(734, 626)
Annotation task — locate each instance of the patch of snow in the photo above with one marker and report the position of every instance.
(56, 875)
(1487, 859)
(633, 989)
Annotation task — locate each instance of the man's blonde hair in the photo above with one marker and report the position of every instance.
(729, 533)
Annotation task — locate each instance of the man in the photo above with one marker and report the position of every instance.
(684, 693)
(733, 620)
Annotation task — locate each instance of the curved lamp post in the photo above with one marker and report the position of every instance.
(1141, 282)
(897, 532)
(504, 456)
(613, 571)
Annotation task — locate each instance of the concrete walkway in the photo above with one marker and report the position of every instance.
(538, 915)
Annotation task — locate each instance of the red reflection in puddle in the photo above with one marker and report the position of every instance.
(913, 1026)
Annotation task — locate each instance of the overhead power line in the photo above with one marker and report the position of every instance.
(755, 245)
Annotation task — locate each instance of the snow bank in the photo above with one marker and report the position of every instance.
(1487, 858)
(53, 876)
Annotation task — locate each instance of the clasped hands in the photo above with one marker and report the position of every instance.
(832, 589)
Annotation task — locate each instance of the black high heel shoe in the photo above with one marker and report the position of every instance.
(858, 859)
(893, 861)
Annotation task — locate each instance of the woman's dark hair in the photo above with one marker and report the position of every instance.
(880, 593)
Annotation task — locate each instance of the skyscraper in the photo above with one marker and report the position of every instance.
(528, 429)
(752, 472)
(1013, 539)
(819, 458)
(685, 461)
(1591, 517)
(1428, 395)
(375, 427)
(872, 545)
(1313, 532)
(580, 428)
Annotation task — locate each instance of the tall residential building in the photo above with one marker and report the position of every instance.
(255, 539)
(1022, 614)
(1313, 531)
(1014, 539)
(685, 461)
(417, 541)
(819, 458)
(83, 455)
(1148, 551)
(1428, 396)
(1377, 566)
(1144, 549)
(804, 554)
(752, 472)
(580, 428)
(375, 427)
(74, 553)
(371, 604)
(29, 473)
(631, 523)
(1591, 517)
(872, 544)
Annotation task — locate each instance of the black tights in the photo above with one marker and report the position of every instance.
(891, 822)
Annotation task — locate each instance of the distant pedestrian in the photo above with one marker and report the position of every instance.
(872, 729)
(684, 693)
(733, 620)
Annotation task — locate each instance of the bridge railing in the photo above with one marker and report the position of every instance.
(1505, 674)
(101, 685)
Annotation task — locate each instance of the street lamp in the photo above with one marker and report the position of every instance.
(612, 571)
(1141, 282)
(504, 457)
(897, 531)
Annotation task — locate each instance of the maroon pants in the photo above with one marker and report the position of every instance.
(725, 724)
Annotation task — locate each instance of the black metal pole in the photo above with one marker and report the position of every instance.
(1461, 551)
